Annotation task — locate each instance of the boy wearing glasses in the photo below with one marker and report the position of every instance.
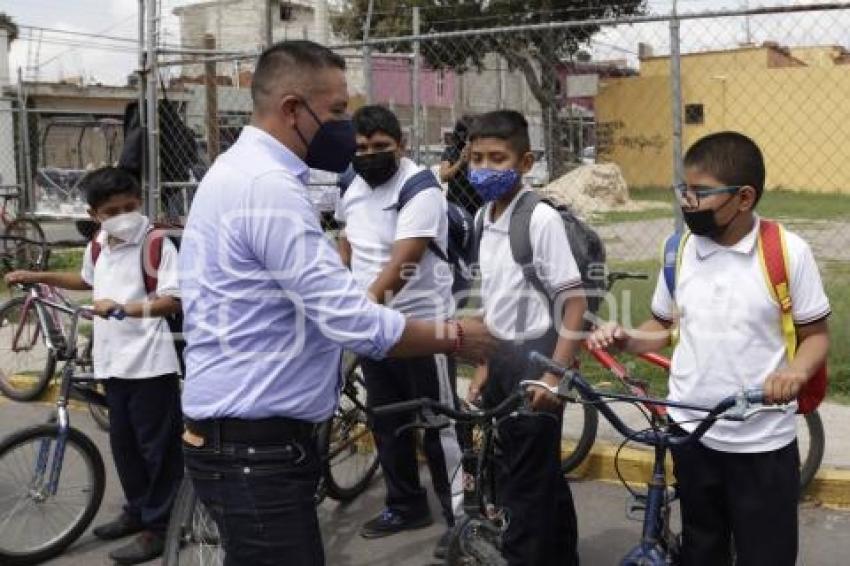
(741, 481)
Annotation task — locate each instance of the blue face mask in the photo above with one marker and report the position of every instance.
(333, 146)
(493, 184)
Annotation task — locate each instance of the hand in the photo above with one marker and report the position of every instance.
(543, 400)
(783, 386)
(464, 153)
(104, 307)
(482, 374)
(607, 335)
(477, 340)
(21, 277)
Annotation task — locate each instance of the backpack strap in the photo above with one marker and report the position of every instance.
(152, 258)
(96, 248)
(345, 179)
(519, 235)
(421, 181)
(671, 258)
(773, 256)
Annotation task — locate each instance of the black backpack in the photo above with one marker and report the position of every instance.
(460, 250)
(586, 246)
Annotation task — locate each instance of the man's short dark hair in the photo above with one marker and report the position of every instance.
(371, 119)
(290, 59)
(102, 184)
(508, 125)
(731, 158)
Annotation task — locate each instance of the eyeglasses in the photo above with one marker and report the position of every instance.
(691, 195)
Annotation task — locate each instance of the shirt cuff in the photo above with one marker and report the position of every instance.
(390, 328)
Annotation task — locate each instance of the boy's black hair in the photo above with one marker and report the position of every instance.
(508, 125)
(374, 118)
(102, 184)
(731, 158)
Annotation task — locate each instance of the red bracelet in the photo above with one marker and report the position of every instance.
(458, 337)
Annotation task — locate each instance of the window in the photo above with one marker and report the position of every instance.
(286, 12)
(441, 83)
(694, 114)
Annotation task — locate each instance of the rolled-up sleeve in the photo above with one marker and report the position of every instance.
(284, 234)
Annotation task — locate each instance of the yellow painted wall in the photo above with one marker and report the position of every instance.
(800, 117)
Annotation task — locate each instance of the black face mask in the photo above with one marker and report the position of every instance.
(704, 222)
(376, 168)
(333, 145)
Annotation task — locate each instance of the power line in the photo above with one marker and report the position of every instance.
(81, 34)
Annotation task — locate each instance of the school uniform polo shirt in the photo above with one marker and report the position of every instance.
(373, 224)
(730, 333)
(503, 285)
(132, 348)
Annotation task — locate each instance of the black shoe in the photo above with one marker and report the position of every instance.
(390, 522)
(123, 526)
(144, 547)
(442, 547)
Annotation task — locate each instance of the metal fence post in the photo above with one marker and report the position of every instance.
(152, 200)
(414, 94)
(143, 173)
(676, 104)
(26, 169)
(367, 55)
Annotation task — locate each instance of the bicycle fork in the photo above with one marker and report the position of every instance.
(651, 551)
(44, 449)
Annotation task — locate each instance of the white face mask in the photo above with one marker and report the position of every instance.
(126, 227)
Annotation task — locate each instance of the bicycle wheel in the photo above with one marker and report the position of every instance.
(474, 542)
(34, 524)
(192, 537)
(26, 364)
(349, 453)
(29, 254)
(100, 415)
(580, 423)
(810, 441)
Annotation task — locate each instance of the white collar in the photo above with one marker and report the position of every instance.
(503, 223)
(705, 246)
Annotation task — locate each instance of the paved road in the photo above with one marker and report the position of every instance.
(605, 532)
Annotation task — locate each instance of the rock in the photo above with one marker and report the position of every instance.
(590, 189)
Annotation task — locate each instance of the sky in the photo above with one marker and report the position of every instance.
(110, 61)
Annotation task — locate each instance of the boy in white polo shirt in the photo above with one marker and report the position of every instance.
(390, 248)
(741, 483)
(542, 528)
(134, 354)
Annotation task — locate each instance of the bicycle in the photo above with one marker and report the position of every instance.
(24, 245)
(54, 476)
(810, 430)
(31, 335)
(349, 462)
(476, 539)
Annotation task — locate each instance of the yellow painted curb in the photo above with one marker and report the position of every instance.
(831, 486)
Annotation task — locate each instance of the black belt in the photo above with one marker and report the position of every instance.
(272, 430)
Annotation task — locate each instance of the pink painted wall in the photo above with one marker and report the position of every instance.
(391, 80)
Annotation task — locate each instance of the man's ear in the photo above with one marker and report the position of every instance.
(288, 105)
(402, 148)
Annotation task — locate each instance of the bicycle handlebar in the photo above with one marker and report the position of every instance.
(462, 415)
(739, 404)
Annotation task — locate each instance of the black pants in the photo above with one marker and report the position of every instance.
(144, 432)
(391, 381)
(543, 527)
(749, 498)
(262, 498)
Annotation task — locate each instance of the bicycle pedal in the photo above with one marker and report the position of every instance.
(635, 509)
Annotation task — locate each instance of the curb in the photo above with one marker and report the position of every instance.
(831, 486)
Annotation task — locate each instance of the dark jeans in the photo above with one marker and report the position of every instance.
(751, 498)
(391, 381)
(543, 527)
(144, 433)
(262, 498)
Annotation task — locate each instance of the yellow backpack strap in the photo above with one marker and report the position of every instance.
(773, 257)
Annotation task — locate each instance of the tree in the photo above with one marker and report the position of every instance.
(536, 54)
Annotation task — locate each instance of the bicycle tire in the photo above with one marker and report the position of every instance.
(31, 255)
(473, 542)
(570, 460)
(100, 416)
(811, 461)
(347, 433)
(18, 389)
(94, 466)
(188, 524)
